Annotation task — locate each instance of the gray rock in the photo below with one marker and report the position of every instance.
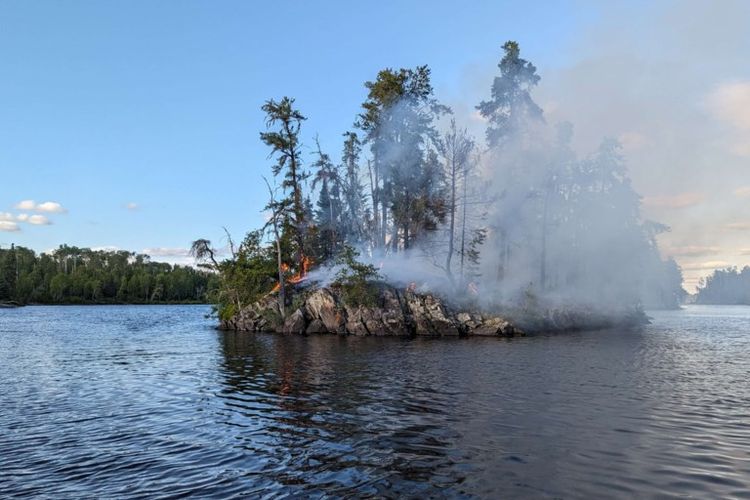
(295, 323)
(495, 326)
(397, 313)
(430, 316)
(316, 326)
(463, 318)
(322, 305)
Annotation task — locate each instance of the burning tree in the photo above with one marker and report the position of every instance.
(285, 146)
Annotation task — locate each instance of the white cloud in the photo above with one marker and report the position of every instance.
(7, 217)
(682, 200)
(739, 226)
(730, 103)
(39, 220)
(51, 207)
(132, 206)
(167, 252)
(691, 251)
(106, 248)
(706, 266)
(26, 205)
(742, 192)
(9, 226)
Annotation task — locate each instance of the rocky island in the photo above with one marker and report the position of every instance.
(517, 235)
(395, 312)
(403, 312)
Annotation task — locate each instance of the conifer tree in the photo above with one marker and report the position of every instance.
(285, 147)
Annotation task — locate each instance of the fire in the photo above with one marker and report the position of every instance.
(302, 272)
(300, 276)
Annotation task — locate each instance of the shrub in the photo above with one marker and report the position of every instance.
(356, 280)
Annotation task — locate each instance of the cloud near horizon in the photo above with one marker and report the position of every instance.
(51, 207)
(167, 252)
(730, 103)
(691, 251)
(682, 200)
(9, 226)
(706, 266)
(36, 219)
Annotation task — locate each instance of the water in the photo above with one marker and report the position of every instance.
(152, 402)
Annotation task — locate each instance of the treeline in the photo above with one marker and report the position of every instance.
(72, 275)
(519, 215)
(725, 286)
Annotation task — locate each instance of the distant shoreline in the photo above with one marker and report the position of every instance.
(15, 306)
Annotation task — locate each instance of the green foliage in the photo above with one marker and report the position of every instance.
(353, 225)
(328, 216)
(72, 275)
(298, 300)
(285, 147)
(272, 317)
(398, 119)
(245, 277)
(511, 105)
(356, 280)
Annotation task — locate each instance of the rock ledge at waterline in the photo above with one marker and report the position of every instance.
(396, 313)
(399, 312)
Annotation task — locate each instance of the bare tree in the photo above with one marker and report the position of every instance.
(455, 147)
(277, 209)
(202, 250)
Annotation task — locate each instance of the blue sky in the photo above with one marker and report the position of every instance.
(156, 105)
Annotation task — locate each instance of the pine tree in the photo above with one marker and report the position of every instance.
(354, 218)
(397, 119)
(328, 215)
(285, 145)
(511, 105)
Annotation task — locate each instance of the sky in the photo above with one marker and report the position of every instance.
(134, 125)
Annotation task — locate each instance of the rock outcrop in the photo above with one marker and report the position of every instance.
(395, 313)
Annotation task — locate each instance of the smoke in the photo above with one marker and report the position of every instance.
(563, 229)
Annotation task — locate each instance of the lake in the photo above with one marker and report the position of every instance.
(151, 401)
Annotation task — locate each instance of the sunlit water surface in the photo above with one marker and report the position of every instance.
(152, 401)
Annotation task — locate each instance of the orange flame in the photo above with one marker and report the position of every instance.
(300, 276)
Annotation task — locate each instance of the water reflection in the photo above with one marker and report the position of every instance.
(334, 421)
(141, 402)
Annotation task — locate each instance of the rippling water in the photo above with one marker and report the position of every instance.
(151, 401)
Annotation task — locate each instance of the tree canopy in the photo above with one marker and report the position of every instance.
(71, 275)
